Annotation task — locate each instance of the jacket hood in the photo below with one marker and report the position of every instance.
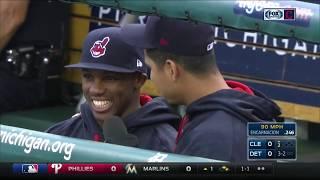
(246, 104)
(153, 112)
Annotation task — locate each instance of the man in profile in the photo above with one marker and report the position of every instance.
(183, 67)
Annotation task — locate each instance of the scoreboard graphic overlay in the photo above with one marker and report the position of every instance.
(272, 141)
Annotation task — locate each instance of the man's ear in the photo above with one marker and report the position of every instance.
(172, 69)
(140, 79)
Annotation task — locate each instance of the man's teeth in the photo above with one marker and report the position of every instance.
(101, 104)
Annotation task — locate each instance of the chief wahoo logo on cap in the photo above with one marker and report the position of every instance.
(99, 47)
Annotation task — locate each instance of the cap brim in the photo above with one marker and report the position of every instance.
(134, 35)
(99, 66)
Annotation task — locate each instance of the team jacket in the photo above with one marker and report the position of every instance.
(215, 126)
(151, 125)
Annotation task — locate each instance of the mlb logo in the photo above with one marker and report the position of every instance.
(30, 168)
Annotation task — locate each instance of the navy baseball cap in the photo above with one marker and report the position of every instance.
(171, 35)
(103, 49)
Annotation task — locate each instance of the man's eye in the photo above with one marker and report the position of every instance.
(87, 76)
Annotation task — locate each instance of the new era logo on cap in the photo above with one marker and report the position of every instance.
(139, 63)
(99, 47)
(209, 46)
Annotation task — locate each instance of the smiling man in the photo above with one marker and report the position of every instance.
(112, 74)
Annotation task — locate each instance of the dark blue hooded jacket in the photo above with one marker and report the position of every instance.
(217, 124)
(150, 123)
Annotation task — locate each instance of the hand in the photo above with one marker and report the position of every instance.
(12, 15)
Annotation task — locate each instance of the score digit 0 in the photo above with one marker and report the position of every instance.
(264, 126)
